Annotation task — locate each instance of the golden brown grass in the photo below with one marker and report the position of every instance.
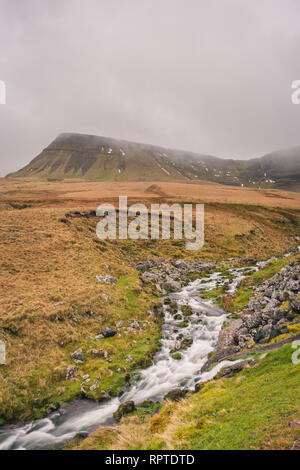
(97, 192)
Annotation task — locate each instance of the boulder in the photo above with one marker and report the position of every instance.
(255, 305)
(236, 324)
(71, 370)
(277, 332)
(259, 336)
(106, 279)
(108, 332)
(252, 321)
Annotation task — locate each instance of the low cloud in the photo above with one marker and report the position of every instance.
(209, 76)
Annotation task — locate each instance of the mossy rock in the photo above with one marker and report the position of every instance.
(183, 324)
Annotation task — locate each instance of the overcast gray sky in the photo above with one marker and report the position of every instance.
(212, 76)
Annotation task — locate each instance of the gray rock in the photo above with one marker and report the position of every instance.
(230, 371)
(124, 409)
(171, 285)
(252, 321)
(106, 279)
(7, 206)
(176, 394)
(255, 305)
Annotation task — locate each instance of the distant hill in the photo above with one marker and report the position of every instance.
(105, 159)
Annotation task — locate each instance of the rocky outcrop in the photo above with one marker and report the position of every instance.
(170, 275)
(274, 303)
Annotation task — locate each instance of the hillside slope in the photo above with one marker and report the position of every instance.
(105, 159)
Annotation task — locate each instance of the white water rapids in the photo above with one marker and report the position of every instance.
(154, 382)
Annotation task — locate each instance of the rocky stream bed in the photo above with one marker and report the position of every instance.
(195, 346)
